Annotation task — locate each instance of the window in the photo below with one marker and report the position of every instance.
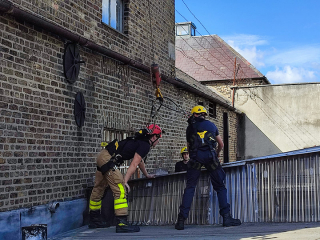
(112, 13)
(182, 30)
(212, 110)
(185, 29)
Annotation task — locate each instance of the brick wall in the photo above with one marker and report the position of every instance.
(44, 156)
(218, 120)
(223, 87)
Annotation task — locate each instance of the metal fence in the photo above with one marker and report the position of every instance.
(278, 188)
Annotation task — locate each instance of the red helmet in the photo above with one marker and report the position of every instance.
(154, 129)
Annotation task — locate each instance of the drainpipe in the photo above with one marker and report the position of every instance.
(9, 8)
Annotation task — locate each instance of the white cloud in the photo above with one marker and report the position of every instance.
(246, 45)
(300, 64)
(254, 56)
(290, 74)
(245, 40)
(296, 57)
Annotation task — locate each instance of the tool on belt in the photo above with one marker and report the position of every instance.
(115, 160)
(113, 148)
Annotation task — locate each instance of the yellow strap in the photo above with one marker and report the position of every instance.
(121, 190)
(124, 205)
(117, 201)
(201, 134)
(158, 93)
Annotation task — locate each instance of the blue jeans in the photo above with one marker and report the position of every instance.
(217, 177)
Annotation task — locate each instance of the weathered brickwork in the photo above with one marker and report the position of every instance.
(225, 87)
(84, 18)
(218, 120)
(44, 156)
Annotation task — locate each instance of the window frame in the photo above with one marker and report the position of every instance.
(119, 20)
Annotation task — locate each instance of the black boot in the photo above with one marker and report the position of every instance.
(96, 220)
(124, 227)
(228, 221)
(180, 223)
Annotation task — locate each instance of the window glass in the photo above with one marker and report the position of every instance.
(182, 30)
(112, 13)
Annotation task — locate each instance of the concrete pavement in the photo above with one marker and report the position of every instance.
(256, 231)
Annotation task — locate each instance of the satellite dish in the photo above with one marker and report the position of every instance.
(71, 62)
(79, 109)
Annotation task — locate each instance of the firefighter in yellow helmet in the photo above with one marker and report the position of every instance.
(108, 174)
(204, 145)
(182, 165)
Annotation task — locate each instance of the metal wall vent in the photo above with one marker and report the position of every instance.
(71, 62)
(79, 109)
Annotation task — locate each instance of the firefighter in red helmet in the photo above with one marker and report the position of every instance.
(108, 174)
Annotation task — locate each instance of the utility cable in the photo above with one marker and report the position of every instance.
(271, 119)
(225, 54)
(206, 48)
(289, 125)
(216, 73)
(213, 47)
(200, 22)
(292, 118)
(192, 58)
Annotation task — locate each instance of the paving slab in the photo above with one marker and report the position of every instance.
(247, 231)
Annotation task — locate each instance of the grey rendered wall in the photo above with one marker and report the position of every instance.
(288, 115)
(254, 143)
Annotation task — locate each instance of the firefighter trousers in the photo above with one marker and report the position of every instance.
(217, 177)
(112, 178)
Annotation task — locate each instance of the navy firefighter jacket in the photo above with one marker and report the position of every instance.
(196, 150)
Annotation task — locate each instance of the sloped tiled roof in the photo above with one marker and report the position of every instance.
(210, 94)
(208, 58)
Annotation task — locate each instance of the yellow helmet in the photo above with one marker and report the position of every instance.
(199, 109)
(184, 150)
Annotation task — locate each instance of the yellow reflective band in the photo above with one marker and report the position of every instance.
(117, 201)
(116, 144)
(124, 205)
(93, 203)
(121, 190)
(94, 207)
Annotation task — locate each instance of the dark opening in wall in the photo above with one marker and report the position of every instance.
(212, 110)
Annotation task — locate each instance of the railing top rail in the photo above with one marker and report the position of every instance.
(274, 156)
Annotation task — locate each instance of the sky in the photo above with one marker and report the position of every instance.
(281, 38)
